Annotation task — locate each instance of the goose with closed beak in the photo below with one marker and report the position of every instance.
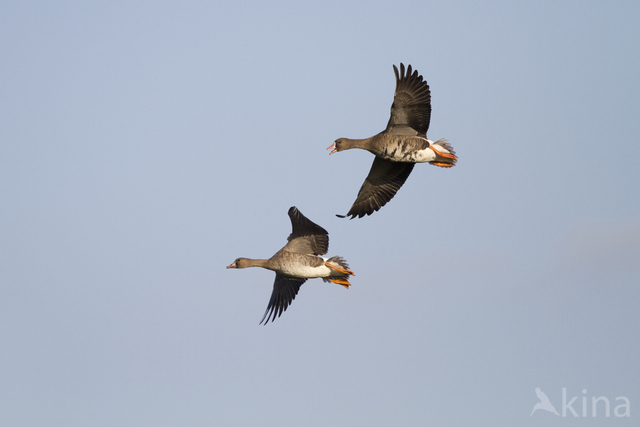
(400, 146)
(298, 261)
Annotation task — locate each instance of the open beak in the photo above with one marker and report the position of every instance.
(332, 147)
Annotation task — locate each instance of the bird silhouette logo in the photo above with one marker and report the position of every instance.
(544, 403)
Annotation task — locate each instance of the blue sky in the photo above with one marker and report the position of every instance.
(145, 146)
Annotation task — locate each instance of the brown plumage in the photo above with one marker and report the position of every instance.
(400, 146)
(298, 261)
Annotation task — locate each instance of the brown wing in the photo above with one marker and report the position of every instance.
(285, 290)
(307, 237)
(411, 108)
(384, 180)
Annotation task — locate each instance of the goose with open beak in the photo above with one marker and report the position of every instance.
(400, 146)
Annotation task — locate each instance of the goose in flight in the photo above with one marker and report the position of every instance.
(298, 261)
(400, 146)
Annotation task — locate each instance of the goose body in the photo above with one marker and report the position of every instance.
(298, 261)
(306, 266)
(400, 146)
(409, 149)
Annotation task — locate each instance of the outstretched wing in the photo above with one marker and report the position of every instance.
(307, 237)
(384, 180)
(411, 108)
(285, 290)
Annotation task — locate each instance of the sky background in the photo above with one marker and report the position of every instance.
(146, 145)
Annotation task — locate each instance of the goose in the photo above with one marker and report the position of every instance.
(400, 146)
(298, 261)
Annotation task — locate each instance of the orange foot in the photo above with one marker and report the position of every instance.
(342, 282)
(443, 165)
(339, 269)
(452, 157)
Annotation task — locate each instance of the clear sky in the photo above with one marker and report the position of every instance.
(146, 145)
